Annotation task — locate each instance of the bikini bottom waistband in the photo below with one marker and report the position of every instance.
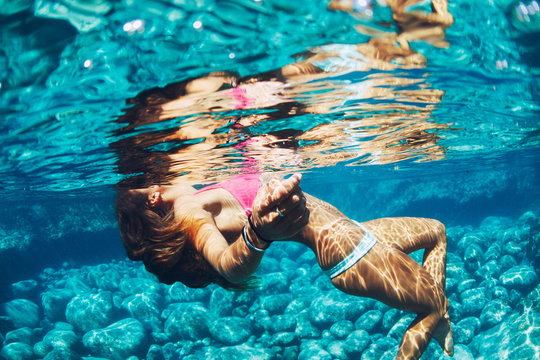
(363, 247)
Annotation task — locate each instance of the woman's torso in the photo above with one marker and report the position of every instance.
(330, 234)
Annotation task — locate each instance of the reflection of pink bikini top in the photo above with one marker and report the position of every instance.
(243, 187)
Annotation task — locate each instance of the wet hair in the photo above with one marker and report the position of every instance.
(161, 242)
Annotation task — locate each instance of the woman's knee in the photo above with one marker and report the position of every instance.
(438, 230)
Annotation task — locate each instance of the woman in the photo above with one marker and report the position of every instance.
(219, 234)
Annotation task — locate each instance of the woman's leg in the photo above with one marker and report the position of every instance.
(411, 234)
(387, 274)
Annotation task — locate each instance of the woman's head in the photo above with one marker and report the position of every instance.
(152, 234)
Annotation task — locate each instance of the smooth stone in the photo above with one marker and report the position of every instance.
(326, 310)
(466, 285)
(493, 313)
(240, 311)
(494, 252)
(461, 352)
(21, 335)
(466, 329)
(390, 354)
(17, 351)
(500, 293)
(513, 248)
(270, 265)
(187, 321)
(519, 277)
(182, 349)
(369, 321)
(314, 354)
(276, 304)
(24, 288)
(490, 270)
(528, 219)
(455, 233)
(290, 352)
(105, 277)
(23, 313)
(473, 257)
(391, 317)
(54, 303)
(61, 353)
(507, 262)
(357, 342)
(222, 302)
(342, 329)
(454, 275)
(283, 339)
(260, 319)
(56, 339)
(90, 311)
(304, 328)
(246, 298)
(238, 352)
(327, 337)
(310, 344)
(287, 264)
(297, 306)
(159, 337)
(155, 353)
(280, 323)
(145, 308)
(60, 325)
(230, 330)
(116, 341)
(338, 350)
(377, 349)
(274, 283)
(473, 301)
(400, 327)
(323, 283)
(132, 286)
(495, 223)
(77, 285)
(180, 293)
(472, 238)
(41, 349)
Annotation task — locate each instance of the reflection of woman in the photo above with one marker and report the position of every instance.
(216, 112)
(218, 234)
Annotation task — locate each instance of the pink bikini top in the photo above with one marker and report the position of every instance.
(243, 187)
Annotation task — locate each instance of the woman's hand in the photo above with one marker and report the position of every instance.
(279, 209)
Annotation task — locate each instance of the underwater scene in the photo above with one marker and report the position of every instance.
(388, 108)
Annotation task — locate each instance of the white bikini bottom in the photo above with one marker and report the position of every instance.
(363, 247)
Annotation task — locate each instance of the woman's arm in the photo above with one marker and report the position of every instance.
(235, 261)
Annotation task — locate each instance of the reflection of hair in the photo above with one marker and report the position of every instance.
(161, 242)
(146, 106)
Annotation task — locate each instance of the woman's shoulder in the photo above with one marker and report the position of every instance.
(190, 207)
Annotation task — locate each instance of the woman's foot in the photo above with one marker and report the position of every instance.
(443, 334)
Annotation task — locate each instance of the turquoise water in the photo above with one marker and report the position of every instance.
(456, 139)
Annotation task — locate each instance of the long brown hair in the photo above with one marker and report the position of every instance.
(161, 242)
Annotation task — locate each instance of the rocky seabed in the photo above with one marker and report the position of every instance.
(119, 311)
